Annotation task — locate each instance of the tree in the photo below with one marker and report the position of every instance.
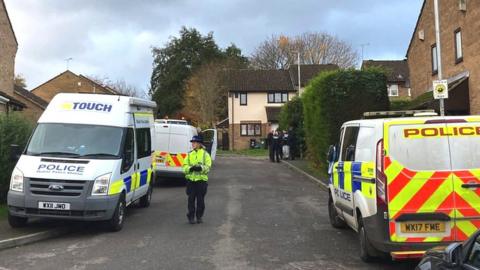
(174, 63)
(20, 80)
(121, 86)
(206, 94)
(280, 52)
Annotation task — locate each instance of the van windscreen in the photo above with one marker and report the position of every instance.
(73, 140)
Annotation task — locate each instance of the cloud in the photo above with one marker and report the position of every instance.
(114, 37)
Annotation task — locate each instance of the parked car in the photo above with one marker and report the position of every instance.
(456, 256)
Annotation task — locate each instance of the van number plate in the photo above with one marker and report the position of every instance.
(54, 205)
(423, 227)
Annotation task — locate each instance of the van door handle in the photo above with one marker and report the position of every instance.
(471, 185)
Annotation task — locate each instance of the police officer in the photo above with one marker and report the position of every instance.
(196, 167)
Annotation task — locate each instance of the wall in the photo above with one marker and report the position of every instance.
(8, 50)
(419, 56)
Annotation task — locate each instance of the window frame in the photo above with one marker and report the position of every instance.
(283, 97)
(251, 126)
(458, 31)
(343, 150)
(434, 58)
(138, 138)
(389, 90)
(246, 99)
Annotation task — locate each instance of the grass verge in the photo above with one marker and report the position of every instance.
(245, 152)
(3, 211)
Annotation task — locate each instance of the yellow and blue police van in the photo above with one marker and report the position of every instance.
(406, 184)
(89, 157)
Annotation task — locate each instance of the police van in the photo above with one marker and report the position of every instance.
(406, 184)
(88, 158)
(172, 144)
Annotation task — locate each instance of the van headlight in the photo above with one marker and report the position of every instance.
(16, 182)
(100, 187)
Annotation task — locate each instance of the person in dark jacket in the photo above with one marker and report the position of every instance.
(270, 145)
(277, 146)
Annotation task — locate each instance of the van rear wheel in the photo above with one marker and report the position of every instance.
(366, 249)
(335, 220)
(147, 198)
(17, 222)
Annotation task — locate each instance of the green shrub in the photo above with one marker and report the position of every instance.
(14, 129)
(335, 97)
(291, 119)
(399, 104)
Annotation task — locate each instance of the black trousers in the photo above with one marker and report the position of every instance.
(277, 153)
(196, 192)
(270, 153)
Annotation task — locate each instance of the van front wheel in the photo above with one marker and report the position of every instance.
(115, 224)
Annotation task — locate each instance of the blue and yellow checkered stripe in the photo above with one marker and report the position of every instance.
(351, 177)
(131, 182)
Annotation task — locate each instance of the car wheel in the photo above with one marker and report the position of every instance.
(335, 220)
(17, 222)
(115, 224)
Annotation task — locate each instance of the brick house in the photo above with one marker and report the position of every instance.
(256, 97)
(398, 83)
(460, 45)
(13, 98)
(69, 82)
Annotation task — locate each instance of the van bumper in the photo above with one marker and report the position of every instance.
(81, 208)
(378, 235)
(164, 171)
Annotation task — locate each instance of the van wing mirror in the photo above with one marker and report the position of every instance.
(15, 152)
(454, 254)
(331, 155)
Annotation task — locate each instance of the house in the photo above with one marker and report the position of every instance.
(13, 98)
(256, 97)
(460, 45)
(69, 82)
(398, 83)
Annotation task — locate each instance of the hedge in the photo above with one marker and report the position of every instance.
(14, 129)
(291, 119)
(335, 97)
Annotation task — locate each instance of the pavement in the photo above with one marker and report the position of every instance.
(260, 215)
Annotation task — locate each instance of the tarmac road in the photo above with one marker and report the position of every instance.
(259, 215)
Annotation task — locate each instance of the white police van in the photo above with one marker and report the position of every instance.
(88, 158)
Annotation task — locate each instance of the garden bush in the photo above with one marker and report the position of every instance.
(335, 97)
(14, 129)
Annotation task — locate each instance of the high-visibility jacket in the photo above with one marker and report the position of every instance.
(197, 157)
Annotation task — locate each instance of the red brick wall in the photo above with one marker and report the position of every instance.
(238, 142)
(419, 55)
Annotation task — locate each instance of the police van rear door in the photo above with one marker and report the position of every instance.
(464, 141)
(420, 192)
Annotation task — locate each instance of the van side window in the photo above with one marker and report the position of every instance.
(128, 151)
(365, 148)
(349, 143)
(144, 143)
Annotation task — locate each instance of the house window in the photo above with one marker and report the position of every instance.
(393, 90)
(434, 59)
(243, 99)
(458, 46)
(251, 129)
(277, 97)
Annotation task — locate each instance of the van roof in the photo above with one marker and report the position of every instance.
(413, 119)
(95, 109)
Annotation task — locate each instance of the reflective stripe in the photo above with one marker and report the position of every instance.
(149, 176)
(115, 187)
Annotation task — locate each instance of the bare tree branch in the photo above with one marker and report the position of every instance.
(279, 52)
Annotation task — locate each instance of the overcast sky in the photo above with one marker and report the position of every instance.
(114, 37)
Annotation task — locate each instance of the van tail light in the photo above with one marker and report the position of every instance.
(381, 178)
